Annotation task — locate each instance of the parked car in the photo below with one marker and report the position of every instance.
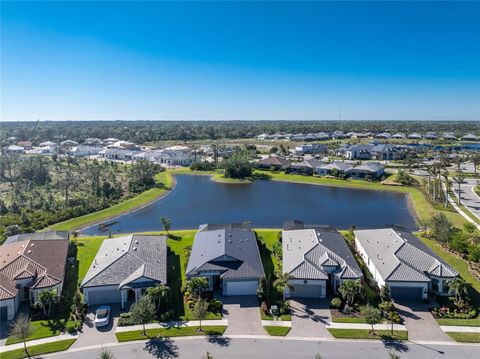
(102, 316)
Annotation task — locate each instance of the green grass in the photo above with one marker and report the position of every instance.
(140, 200)
(284, 317)
(169, 332)
(475, 322)
(365, 334)
(277, 331)
(349, 320)
(35, 350)
(87, 248)
(268, 237)
(465, 337)
(41, 329)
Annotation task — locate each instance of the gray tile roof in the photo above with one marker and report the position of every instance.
(37, 236)
(122, 260)
(340, 166)
(369, 167)
(233, 252)
(307, 252)
(401, 256)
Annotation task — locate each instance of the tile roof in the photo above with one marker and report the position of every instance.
(49, 235)
(42, 260)
(234, 252)
(121, 260)
(401, 256)
(306, 253)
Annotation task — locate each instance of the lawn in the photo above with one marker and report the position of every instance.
(41, 329)
(266, 239)
(165, 178)
(284, 317)
(277, 331)
(35, 350)
(87, 248)
(465, 337)
(365, 334)
(475, 322)
(170, 332)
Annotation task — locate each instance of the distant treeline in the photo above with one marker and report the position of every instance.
(149, 131)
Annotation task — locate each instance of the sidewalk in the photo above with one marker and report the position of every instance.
(458, 329)
(277, 323)
(331, 325)
(31, 343)
(190, 323)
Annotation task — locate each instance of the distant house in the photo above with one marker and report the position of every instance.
(415, 136)
(176, 156)
(386, 152)
(83, 151)
(338, 167)
(25, 144)
(93, 141)
(69, 143)
(430, 136)
(28, 267)
(117, 154)
(385, 135)
(449, 136)
(275, 162)
(367, 170)
(470, 137)
(228, 256)
(38, 236)
(48, 144)
(124, 268)
(338, 135)
(399, 135)
(317, 259)
(310, 149)
(359, 152)
(14, 149)
(305, 167)
(402, 262)
(150, 155)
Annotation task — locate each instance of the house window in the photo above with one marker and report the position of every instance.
(446, 286)
(435, 284)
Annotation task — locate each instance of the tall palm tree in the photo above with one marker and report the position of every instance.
(459, 289)
(75, 235)
(283, 283)
(46, 299)
(349, 289)
(476, 161)
(459, 180)
(160, 295)
(447, 183)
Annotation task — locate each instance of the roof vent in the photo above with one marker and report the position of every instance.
(239, 247)
(134, 248)
(136, 242)
(29, 251)
(32, 245)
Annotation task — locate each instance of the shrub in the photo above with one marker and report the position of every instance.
(264, 307)
(167, 316)
(190, 303)
(73, 325)
(386, 307)
(449, 313)
(336, 303)
(215, 306)
(125, 319)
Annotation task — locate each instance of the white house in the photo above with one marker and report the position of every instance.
(176, 156)
(402, 262)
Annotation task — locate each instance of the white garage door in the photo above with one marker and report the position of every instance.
(241, 288)
(103, 296)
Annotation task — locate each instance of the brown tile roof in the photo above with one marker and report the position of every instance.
(42, 260)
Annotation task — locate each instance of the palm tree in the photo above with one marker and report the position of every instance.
(283, 283)
(447, 183)
(166, 223)
(476, 161)
(349, 289)
(197, 285)
(75, 235)
(160, 295)
(459, 289)
(459, 180)
(46, 299)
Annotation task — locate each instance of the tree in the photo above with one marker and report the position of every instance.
(141, 176)
(46, 300)
(21, 329)
(105, 354)
(283, 283)
(440, 228)
(476, 161)
(459, 289)
(424, 223)
(197, 285)
(166, 223)
(237, 166)
(160, 295)
(265, 288)
(75, 235)
(372, 316)
(459, 180)
(385, 293)
(78, 308)
(349, 290)
(200, 312)
(143, 312)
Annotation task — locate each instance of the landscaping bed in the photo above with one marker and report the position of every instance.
(283, 317)
(277, 331)
(170, 332)
(365, 334)
(35, 350)
(465, 337)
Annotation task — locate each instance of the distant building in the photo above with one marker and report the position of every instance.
(69, 143)
(367, 170)
(313, 149)
(83, 151)
(25, 144)
(415, 136)
(470, 137)
(14, 149)
(275, 162)
(48, 144)
(341, 168)
(176, 156)
(117, 154)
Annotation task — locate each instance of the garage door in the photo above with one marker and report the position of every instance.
(307, 291)
(241, 288)
(406, 293)
(98, 297)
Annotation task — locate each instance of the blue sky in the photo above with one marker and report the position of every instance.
(240, 60)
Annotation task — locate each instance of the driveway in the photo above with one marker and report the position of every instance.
(420, 323)
(243, 315)
(309, 318)
(94, 336)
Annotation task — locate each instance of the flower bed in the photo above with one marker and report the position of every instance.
(454, 313)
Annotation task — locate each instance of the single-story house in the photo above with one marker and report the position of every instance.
(25, 144)
(15, 149)
(399, 135)
(387, 152)
(229, 257)
(68, 143)
(48, 144)
(83, 150)
(124, 268)
(470, 137)
(337, 166)
(373, 170)
(305, 167)
(275, 162)
(176, 156)
(38, 236)
(310, 149)
(385, 135)
(431, 136)
(359, 152)
(117, 154)
(28, 267)
(401, 261)
(316, 259)
(449, 136)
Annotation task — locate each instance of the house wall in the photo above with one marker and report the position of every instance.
(375, 273)
(12, 307)
(34, 292)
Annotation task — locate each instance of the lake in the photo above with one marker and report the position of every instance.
(198, 199)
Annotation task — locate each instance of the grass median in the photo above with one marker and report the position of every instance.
(170, 332)
(36, 350)
(365, 334)
(276, 331)
(465, 337)
(475, 322)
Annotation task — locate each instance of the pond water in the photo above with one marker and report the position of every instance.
(197, 199)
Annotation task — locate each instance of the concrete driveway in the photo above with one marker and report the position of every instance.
(420, 323)
(309, 318)
(94, 336)
(243, 315)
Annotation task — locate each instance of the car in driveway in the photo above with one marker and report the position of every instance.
(102, 316)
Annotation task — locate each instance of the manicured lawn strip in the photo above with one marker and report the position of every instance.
(35, 350)
(459, 322)
(169, 332)
(41, 329)
(269, 237)
(277, 331)
(142, 199)
(284, 317)
(365, 334)
(465, 337)
(87, 248)
(349, 320)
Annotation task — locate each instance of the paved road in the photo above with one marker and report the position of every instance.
(243, 315)
(274, 348)
(309, 318)
(469, 198)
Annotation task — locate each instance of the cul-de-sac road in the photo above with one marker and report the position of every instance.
(274, 348)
